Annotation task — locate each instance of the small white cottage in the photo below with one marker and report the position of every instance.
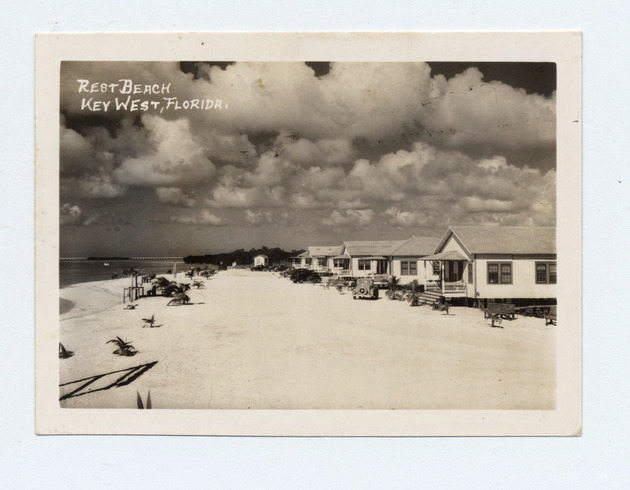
(483, 263)
(406, 260)
(261, 260)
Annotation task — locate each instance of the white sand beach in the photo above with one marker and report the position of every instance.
(256, 340)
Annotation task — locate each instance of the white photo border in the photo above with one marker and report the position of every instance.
(562, 48)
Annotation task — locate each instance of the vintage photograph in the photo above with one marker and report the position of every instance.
(308, 235)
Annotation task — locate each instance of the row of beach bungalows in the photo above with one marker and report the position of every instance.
(469, 262)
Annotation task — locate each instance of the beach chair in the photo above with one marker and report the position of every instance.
(551, 316)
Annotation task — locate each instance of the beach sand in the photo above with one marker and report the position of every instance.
(256, 340)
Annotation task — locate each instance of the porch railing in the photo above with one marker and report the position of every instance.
(454, 287)
(447, 287)
(341, 272)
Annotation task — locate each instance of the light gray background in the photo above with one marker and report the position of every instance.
(599, 459)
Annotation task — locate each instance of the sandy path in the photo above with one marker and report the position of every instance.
(254, 340)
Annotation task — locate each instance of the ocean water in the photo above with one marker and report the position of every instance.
(76, 271)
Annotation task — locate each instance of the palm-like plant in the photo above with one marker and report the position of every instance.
(64, 353)
(161, 282)
(414, 297)
(124, 348)
(190, 274)
(198, 284)
(392, 287)
(139, 400)
(172, 289)
(180, 299)
(149, 321)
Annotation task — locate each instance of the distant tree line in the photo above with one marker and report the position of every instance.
(244, 257)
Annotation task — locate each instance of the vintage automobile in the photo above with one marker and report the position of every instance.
(365, 289)
(305, 275)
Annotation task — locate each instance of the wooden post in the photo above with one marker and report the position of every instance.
(442, 273)
(174, 269)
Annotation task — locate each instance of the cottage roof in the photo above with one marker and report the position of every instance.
(504, 239)
(451, 255)
(370, 247)
(303, 255)
(414, 247)
(261, 255)
(327, 251)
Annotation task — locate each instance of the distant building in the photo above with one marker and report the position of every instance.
(302, 261)
(261, 260)
(482, 263)
(367, 258)
(406, 260)
(321, 258)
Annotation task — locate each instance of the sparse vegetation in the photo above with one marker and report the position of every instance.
(170, 288)
(180, 299)
(393, 290)
(149, 321)
(445, 307)
(414, 296)
(124, 348)
(64, 353)
(198, 284)
(139, 400)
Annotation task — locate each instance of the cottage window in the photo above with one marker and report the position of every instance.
(308, 261)
(470, 272)
(341, 263)
(321, 262)
(365, 265)
(499, 273)
(408, 268)
(546, 273)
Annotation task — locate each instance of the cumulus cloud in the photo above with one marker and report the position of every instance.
(259, 217)
(204, 217)
(178, 159)
(326, 151)
(245, 197)
(354, 100)
(70, 214)
(174, 196)
(467, 110)
(382, 144)
(475, 204)
(404, 219)
(99, 186)
(350, 217)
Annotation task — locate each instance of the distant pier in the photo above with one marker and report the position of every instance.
(127, 258)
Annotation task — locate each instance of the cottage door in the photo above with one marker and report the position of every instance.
(381, 267)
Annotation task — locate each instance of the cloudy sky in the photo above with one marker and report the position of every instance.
(300, 153)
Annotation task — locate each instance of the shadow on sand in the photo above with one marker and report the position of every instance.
(105, 381)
